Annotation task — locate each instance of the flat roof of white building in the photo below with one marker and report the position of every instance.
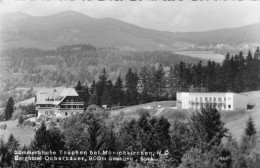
(210, 94)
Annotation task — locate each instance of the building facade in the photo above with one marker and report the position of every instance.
(222, 101)
(58, 102)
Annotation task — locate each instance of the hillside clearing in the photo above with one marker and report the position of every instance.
(23, 134)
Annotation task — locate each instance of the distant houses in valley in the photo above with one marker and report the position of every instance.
(222, 101)
(58, 102)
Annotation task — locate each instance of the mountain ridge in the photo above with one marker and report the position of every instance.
(70, 27)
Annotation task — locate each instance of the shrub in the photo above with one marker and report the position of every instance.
(20, 120)
(15, 115)
(27, 123)
(33, 124)
(2, 117)
(52, 124)
(3, 126)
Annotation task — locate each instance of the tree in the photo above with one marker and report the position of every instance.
(207, 125)
(160, 83)
(101, 86)
(12, 145)
(83, 92)
(93, 87)
(9, 108)
(172, 79)
(131, 82)
(196, 158)
(144, 85)
(250, 127)
(146, 133)
(107, 97)
(3, 154)
(118, 92)
(7, 151)
(93, 98)
(181, 141)
(41, 139)
(56, 139)
(87, 131)
(20, 120)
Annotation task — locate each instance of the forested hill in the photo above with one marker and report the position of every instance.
(66, 28)
(68, 64)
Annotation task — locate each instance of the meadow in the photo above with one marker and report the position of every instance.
(207, 55)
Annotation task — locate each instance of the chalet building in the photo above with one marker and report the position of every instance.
(58, 102)
(222, 101)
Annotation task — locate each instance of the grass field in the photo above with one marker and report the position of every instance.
(208, 55)
(22, 134)
(154, 106)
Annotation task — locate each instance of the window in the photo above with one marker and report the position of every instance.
(219, 99)
(229, 106)
(214, 99)
(77, 106)
(210, 99)
(201, 99)
(224, 106)
(66, 106)
(71, 113)
(206, 99)
(66, 113)
(224, 99)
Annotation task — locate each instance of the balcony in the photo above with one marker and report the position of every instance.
(69, 108)
(44, 108)
(72, 103)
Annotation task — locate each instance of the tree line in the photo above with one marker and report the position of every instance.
(155, 83)
(197, 143)
(68, 64)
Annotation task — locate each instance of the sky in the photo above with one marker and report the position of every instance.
(159, 15)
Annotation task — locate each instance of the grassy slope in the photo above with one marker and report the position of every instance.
(23, 134)
(154, 105)
(235, 121)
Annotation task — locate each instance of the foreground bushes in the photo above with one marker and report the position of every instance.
(195, 144)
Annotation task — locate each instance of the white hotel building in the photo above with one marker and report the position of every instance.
(223, 101)
(58, 102)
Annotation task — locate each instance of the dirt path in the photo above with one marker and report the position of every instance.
(159, 111)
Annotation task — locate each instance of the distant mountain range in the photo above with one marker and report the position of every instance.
(48, 32)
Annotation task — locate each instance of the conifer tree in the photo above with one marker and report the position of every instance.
(12, 145)
(160, 83)
(9, 108)
(171, 84)
(107, 97)
(3, 153)
(118, 95)
(131, 82)
(93, 87)
(83, 92)
(151, 83)
(41, 139)
(208, 126)
(101, 86)
(250, 127)
(144, 85)
(93, 99)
